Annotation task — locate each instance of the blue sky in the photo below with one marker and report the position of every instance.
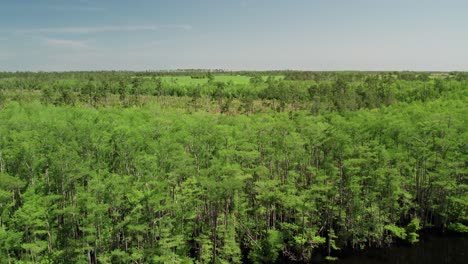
(233, 34)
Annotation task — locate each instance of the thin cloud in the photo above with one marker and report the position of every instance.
(65, 43)
(76, 8)
(153, 43)
(6, 55)
(100, 29)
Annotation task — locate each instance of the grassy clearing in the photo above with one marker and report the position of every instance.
(235, 79)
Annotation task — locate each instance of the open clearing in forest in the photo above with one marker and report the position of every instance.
(188, 80)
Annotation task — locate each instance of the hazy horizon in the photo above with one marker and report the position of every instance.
(331, 35)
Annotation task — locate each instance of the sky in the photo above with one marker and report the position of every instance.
(59, 35)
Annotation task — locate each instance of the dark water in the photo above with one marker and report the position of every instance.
(432, 249)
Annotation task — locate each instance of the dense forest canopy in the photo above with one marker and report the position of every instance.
(196, 166)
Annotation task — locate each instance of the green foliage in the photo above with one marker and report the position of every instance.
(458, 227)
(151, 168)
(397, 231)
(411, 230)
(270, 248)
(273, 245)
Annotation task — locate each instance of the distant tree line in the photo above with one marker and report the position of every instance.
(316, 91)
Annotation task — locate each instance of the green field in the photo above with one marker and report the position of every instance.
(235, 79)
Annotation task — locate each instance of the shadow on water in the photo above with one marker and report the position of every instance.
(432, 249)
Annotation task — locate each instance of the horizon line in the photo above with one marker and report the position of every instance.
(225, 70)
